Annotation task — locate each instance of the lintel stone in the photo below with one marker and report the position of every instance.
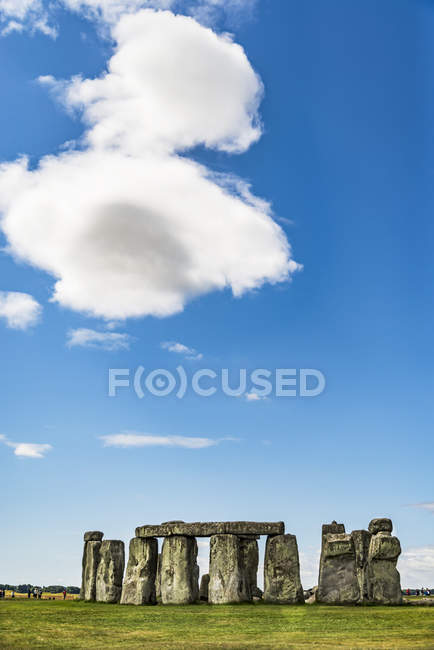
(207, 529)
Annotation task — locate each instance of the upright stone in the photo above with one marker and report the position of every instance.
(361, 540)
(91, 554)
(384, 578)
(139, 583)
(250, 561)
(381, 525)
(282, 570)
(204, 585)
(228, 581)
(179, 583)
(110, 571)
(338, 583)
(158, 579)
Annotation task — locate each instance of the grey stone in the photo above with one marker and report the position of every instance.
(257, 593)
(384, 578)
(93, 536)
(91, 554)
(158, 579)
(334, 528)
(250, 560)
(228, 581)
(110, 571)
(179, 584)
(362, 540)
(282, 571)
(380, 526)
(204, 584)
(338, 583)
(207, 529)
(139, 583)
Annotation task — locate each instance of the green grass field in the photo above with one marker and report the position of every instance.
(75, 624)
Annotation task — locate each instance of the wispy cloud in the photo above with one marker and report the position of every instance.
(27, 449)
(416, 566)
(428, 505)
(19, 310)
(253, 396)
(132, 439)
(87, 338)
(180, 348)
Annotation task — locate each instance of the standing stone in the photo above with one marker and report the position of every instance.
(204, 585)
(179, 576)
(227, 573)
(282, 570)
(110, 571)
(384, 578)
(139, 582)
(250, 561)
(91, 555)
(362, 540)
(382, 525)
(158, 578)
(338, 583)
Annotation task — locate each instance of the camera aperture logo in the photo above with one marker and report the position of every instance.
(257, 384)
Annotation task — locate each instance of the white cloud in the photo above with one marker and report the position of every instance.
(424, 506)
(253, 397)
(180, 348)
(416, 566)
(27, 449)
(131, 439)
(88, 338)
(19, 310)
(126, 226)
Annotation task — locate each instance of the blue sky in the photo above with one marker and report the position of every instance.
(346, 160)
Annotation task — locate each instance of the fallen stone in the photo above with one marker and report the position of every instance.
(91, 554)
(282, 571)
(207, 529)
(380, 526)
(179, 572)
(139, 583)
(110, 571)
(228, 581)
(203, 590)
(338, 583)
(93, 536)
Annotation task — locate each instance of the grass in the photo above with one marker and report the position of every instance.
(76, 624)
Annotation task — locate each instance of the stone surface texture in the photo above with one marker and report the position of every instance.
(382, 525)
(179, 571)
(110, 571)
(362, 540)
(139, 583)
(228, 581)
(282, 571)
(338, 583)
(90, 563)
(93, 536)
(204, 584)
(250, 560)
(207, 529)
(384, 578)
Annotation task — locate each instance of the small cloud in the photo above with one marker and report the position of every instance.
(27, 449)
(429, 505)
(131, 439)
(253, 396)
(180, 348)
(87, 338)
(19, 310)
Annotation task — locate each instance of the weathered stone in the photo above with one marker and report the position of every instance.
(228, 581)
(384, 578)
(257, 593)
(207, 529)
(90, 563)
(380, 526)
(110, 571)
(158, 579)
(93, 536)
(250, 560)
(204, 584)
(338, 582)
(139, 583)
(179, 584)
(334, 528)
(282, 571)
(362, 539)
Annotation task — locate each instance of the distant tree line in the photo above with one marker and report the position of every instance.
(51, 589)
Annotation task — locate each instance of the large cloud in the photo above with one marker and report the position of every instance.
(127, 226)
